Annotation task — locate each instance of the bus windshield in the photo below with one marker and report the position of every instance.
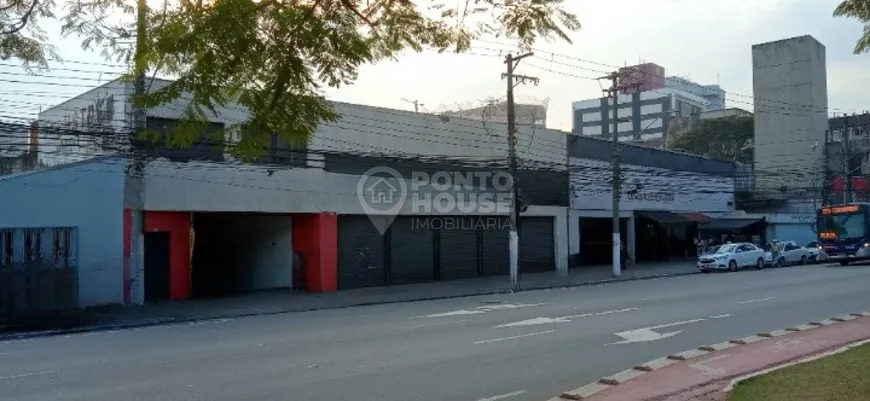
(846, 226)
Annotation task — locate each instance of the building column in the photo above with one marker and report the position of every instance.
(560, 236)
(315, 236)
(177, 224)
(573, 236)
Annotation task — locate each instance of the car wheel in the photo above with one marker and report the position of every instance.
(759, 264)
(804, 259)
(732, 266)
(780, 262)
(844, 263)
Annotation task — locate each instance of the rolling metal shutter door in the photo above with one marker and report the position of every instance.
(458, 253)
(495, 252)
(537, 247)
(360, 253)
(412, 252)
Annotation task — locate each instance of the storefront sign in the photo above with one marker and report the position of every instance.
(662, 197)
(784, 218)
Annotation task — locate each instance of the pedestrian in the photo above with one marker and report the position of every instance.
(774, 251)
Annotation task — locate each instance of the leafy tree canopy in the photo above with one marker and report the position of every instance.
(859, 9)
(728, 138)
(272, 56)
(20, 34)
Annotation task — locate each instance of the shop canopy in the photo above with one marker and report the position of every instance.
(663, 217)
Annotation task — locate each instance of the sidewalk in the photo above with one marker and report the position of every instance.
(705, 378)
(282, 301)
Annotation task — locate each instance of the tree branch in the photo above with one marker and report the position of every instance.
(22, 22)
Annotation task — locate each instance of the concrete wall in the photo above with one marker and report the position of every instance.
(86, 195)
(95, 123)
(790, 91)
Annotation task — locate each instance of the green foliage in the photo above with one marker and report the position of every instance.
(728, 138)
(20, 35)
(272, 56)
(859, 9)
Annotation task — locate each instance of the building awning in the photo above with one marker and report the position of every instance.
(728, 224)
(695, 216)
(663, 217)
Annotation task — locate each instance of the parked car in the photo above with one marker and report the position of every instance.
(790, 253)
(732, 257)
(815, 253)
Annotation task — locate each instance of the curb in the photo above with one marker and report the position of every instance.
(171, 320)
(608, 382)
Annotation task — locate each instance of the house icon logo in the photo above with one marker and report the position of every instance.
(381, 192)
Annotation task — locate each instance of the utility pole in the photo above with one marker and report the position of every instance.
(134, 187)
(847, 156)
(613, 93)
(415, 103)
(512, 81)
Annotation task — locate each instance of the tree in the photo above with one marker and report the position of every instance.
(727, 138)
(859, 9)
(20, 35)
(272, 56)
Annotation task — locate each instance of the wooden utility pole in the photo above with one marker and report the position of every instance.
(512, 81)
(133, 184)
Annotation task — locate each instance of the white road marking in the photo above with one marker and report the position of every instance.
(420, 326)
(753, 301)
(503, 396)
(494, 340)
(22, 375)
(479, 310)
(562, 319)
(16, 342)
(646, 334)
(20, 351)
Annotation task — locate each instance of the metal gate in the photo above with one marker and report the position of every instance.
(412, 252)
(361, 261)
(458, 253)
(537, 247)
(495, 252)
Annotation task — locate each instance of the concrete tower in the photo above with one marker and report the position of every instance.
(791, 100)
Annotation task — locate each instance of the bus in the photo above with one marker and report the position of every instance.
(843, 231)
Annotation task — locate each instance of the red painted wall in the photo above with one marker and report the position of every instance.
(316, 237)
(177, 224)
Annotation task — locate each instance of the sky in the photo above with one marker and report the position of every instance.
(706, 41)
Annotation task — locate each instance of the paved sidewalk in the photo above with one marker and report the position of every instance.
(705, 378)
(282, 301)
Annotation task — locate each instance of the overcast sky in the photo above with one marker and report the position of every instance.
(707, 41)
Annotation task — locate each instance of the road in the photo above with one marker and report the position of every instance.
(516, 347)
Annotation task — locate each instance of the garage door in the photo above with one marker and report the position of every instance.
(458, 253)
(412, 252)
(495, 252)
(360, 253)
(537, 248)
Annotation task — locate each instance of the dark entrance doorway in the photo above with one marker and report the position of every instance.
(156, 266)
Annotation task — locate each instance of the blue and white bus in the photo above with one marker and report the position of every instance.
(844, 234)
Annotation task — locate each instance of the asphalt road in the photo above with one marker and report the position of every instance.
(518, 347)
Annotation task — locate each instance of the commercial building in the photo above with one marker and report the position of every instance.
(666, 197)
(295, 219)
(652, 112)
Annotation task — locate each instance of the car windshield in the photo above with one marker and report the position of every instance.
(846, 226)
(726, 248)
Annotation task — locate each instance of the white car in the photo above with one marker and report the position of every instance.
(790, 253)
(732, 257)
(815, 252)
